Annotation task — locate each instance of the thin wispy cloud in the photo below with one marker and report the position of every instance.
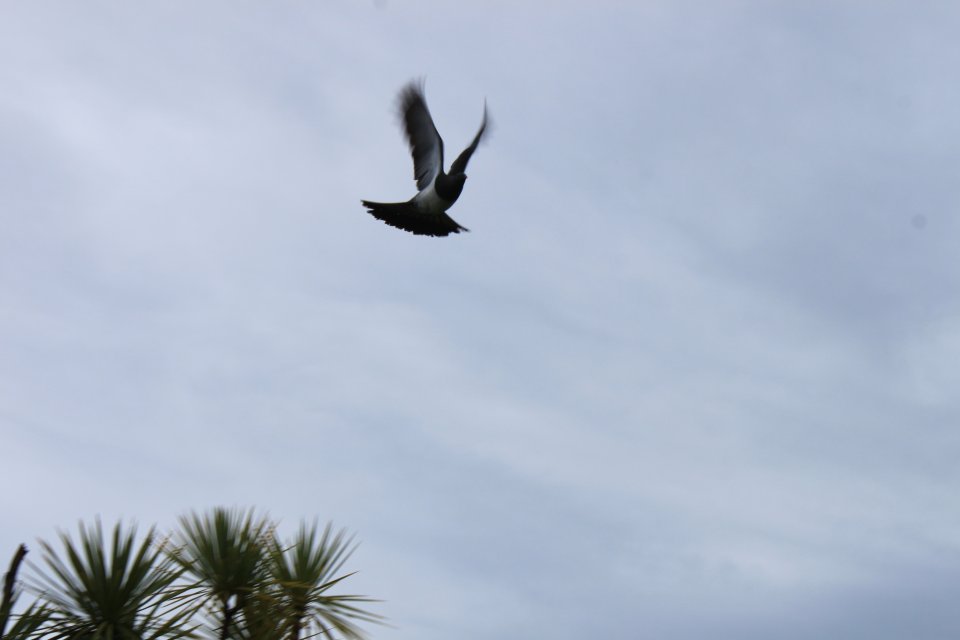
(691, 373)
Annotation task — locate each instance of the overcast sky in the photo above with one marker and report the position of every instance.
(694, 373)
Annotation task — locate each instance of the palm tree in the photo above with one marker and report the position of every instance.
(221, 555)
(302, 575)
(95, 593)
(224, 567)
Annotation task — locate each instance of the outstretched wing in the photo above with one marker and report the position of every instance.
(460, 164)
(425, 143)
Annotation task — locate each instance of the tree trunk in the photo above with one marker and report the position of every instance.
(295, 628)
(228, 614)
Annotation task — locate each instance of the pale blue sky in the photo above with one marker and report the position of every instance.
(694, 372)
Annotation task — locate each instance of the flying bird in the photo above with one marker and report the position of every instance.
(425, 214)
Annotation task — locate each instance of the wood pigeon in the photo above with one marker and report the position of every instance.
(426, 213)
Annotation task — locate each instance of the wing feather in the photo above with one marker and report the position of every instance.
(426, 146)
(460, 164)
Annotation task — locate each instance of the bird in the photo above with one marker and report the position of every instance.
(425, 214)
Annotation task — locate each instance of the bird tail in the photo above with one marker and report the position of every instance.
(384, 210)
(406, 216)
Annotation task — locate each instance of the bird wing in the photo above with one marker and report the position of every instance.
(426, 146)
(460, 164)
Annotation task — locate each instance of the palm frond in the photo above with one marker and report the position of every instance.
(27, 624)
(221, 555)
(120, 590)
(304, 571)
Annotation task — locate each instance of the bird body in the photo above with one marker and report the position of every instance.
(426, 212)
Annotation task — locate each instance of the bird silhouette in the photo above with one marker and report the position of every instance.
(425, 214)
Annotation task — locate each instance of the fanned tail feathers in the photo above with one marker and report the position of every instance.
(406, 216)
